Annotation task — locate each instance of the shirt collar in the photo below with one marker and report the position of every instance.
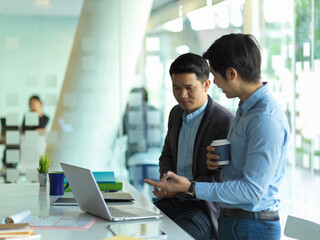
(253, 98)
(191, 116)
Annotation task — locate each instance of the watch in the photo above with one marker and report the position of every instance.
(191, 188)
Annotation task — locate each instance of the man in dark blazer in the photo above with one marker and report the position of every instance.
(193, 124)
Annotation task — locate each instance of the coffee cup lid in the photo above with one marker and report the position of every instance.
(220, 142)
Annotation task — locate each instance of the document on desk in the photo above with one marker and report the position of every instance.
(17, 217)
(56, 222)
(137, 230)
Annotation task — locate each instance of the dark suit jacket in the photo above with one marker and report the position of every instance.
(214, 125)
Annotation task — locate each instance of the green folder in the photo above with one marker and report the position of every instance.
(106, 182)
(104, 186)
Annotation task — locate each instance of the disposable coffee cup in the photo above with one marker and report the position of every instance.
(222, 148)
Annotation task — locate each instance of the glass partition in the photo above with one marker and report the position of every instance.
(289, 36)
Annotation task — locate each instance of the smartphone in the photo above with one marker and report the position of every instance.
(138, 230)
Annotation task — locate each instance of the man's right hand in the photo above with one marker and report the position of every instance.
(160, 193)
(211, 159)
(163, 194)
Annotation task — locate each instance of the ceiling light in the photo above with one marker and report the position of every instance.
(174, 25)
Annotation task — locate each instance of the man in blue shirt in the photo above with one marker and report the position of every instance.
(259, 136)
(193, 124)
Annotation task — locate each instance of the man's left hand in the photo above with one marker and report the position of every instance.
(173, 183)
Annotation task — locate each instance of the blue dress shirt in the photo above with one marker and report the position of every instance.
(187, 136)
(259, 137)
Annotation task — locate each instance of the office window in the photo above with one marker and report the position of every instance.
(290, 48)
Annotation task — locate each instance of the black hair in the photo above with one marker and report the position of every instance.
(191, 63)
(240, 51)
(143, 91)
(35, 97)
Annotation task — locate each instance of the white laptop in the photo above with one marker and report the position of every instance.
(90, 199)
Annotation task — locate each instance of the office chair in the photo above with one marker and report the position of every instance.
(301, 229)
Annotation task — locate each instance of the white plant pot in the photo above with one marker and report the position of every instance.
(43, 179)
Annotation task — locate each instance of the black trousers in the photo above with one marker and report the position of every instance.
(190, 215)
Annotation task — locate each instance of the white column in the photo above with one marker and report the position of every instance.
(102, 62)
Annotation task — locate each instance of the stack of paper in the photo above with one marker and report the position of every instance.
(17, 230)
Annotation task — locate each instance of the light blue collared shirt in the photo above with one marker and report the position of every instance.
(259, 136)
(187, 137)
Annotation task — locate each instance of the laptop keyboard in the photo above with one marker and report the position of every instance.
(116, 212)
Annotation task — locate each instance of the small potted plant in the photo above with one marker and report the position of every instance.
(44, 163)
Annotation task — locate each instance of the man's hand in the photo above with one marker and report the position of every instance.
(159, 193)
(211, 159)
(173, 183)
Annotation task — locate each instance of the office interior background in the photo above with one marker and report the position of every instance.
(83, 57)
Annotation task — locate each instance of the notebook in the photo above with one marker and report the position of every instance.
(65, 202)
(90, 199)
(108, 197)
(104, 177)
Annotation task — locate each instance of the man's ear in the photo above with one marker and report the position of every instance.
(231, 73)
(206, 84)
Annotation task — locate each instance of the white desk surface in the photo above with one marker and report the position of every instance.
(17, 197)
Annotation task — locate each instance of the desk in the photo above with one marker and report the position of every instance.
(17, 197)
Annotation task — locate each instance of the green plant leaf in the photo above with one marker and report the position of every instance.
(44, 164)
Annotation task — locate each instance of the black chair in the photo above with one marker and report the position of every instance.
(4, 129)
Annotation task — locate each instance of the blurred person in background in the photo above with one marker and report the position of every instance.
(35, 105)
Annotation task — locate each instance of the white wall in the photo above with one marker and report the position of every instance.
(34, 52)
